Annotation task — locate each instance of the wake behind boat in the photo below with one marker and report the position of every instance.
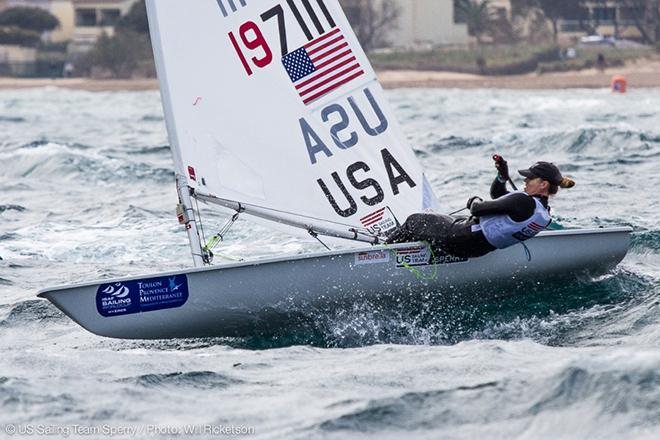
(274, 112)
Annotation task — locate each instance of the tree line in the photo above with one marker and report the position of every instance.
(529, 17)
(24, 26)
(128, 50)
(130, 47)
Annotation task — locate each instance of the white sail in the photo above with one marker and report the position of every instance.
(273, 104)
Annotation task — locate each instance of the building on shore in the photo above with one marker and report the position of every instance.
(94, 18)
(419, 22)
(405, 23)
(81, 21)
(427, 23)
(614, 18)
(62, 9)
(501, 7)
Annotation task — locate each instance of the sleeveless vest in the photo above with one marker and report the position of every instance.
(502, 232)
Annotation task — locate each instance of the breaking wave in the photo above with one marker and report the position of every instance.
(56, 161)
(207, 380)
(12, 119)
(33, 312)
(646, 241)
(17, 208)
(455, 409)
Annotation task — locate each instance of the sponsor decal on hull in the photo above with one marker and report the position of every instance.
(372, 257)
(415, 256)
(136, 296)
(422, 256)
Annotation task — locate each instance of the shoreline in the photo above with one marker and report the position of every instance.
(550, 81)
(639, 75)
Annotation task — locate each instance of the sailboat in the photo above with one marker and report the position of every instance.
(274, 113)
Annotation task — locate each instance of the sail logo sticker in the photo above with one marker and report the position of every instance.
(128, 297)
(380, 222)
(372, 257)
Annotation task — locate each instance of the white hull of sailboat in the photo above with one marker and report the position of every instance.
(236, 299)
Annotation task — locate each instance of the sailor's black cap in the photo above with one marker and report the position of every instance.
(545, 170)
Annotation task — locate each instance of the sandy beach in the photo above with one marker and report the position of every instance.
(641, 74)
(644, 73)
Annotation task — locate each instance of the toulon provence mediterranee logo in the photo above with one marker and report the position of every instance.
(142, 295)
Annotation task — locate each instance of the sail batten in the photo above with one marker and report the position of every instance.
(276, 105)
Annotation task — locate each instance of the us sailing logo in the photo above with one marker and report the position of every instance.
(415, 256)
(380, 222)
(423, 256)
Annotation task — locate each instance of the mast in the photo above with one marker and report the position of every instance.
(185, 211)
(186, 215)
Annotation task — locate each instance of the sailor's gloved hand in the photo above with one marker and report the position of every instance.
(502, 168)
(473, 199)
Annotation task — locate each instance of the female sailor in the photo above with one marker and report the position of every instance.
(508, 219)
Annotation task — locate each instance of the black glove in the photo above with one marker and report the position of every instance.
(471, 200)
(502, 168)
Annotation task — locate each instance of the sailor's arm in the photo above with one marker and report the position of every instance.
(518, 206)
(498, 188)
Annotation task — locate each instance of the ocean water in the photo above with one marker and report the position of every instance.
(86, 192)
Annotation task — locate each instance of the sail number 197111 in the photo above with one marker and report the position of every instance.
(251, 46)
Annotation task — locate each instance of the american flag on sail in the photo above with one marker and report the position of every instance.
(322, 66)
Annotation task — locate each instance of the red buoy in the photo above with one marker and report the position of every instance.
(619, 84)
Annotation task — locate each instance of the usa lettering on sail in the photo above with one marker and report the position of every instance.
(357, 174)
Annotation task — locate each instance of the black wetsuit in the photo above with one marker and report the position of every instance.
(454, 235)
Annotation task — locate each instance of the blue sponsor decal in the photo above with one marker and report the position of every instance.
(127, 297)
